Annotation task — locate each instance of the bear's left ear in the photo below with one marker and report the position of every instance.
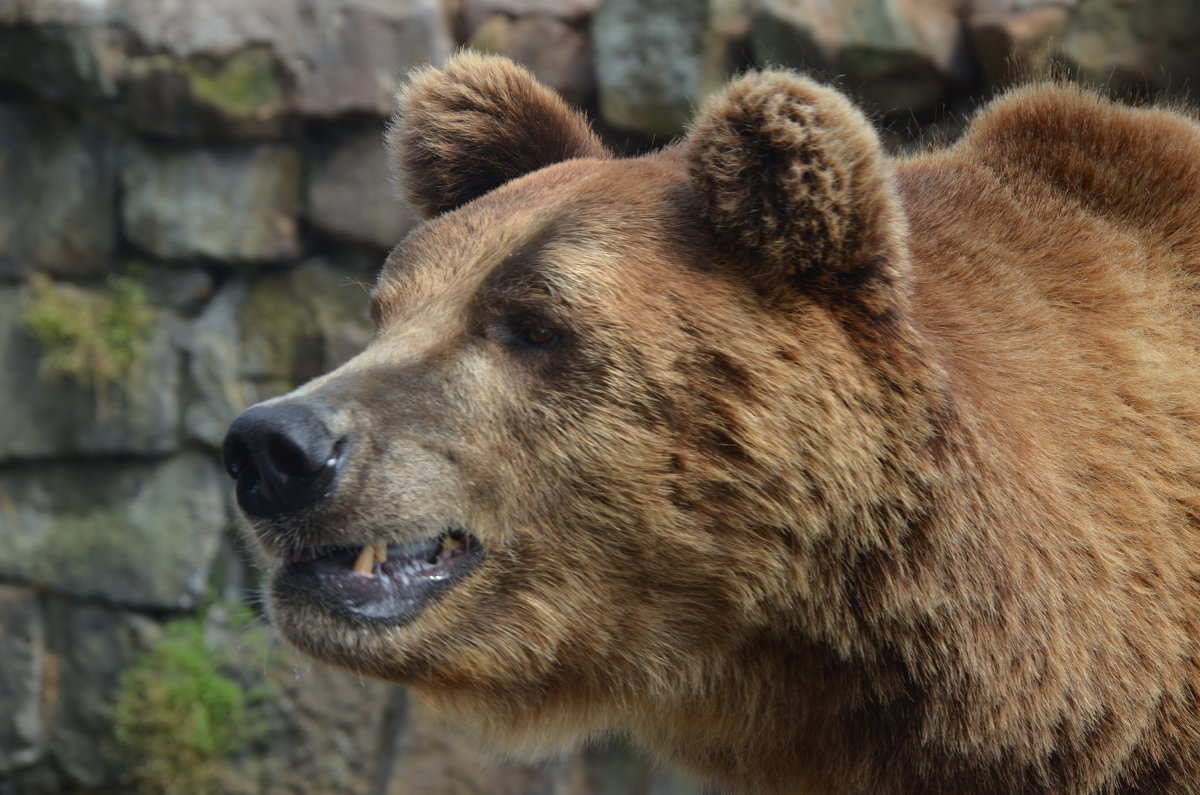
(474, 124)
(794, 178)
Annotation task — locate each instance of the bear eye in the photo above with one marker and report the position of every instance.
(539, 334)
(530, 331)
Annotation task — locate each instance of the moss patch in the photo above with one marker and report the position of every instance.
(244, 85)
(95, 339)
(181, 715)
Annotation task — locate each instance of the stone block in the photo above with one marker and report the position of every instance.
(72, 63)
(575, 12)
(332, 57)
(298, 325)
(1136, 46)
(141, 534)
(1016, 45)
(216, 393)
(329, 727)
(265, 334)
(305, 727)
(58, 193)
(357, 53)
(350, 193)
(336, 57)
(90, 647)
(237, 204)
(22, 673)
(242, 95)
(653, 63)
(896, 55)
(52, 415)
(559, 54)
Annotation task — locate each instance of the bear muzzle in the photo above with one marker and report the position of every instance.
(283, 457)
(285, 460)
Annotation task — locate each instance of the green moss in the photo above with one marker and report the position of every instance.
(244, 85)
(95, 339)
(180, 716)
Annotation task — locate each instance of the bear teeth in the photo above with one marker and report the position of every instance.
(370, 555)
(376, 554)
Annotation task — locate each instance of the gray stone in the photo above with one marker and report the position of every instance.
(48, 415)
(439, 759)
(217, 395)
(53, 12)
(216, 27)
(1141, 46)
(184, 289)
(138, 533)
(615, 767)
(897, 55)
(90, 647)
(57, 194)
(298, 325)
(63, 63)
(40, 779)
(1014, 45)
(221, 67)
(312, 728)
(652, 63)
(240, 95)
(22, 670)
(475, 12)
(559, 54)
(267, 334)
(1015, 7)
(359, 51)
(237, 204)
(350, 193)
(328, 727)
(334, 57)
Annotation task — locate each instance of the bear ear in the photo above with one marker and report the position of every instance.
(473, 125)
(793, 177)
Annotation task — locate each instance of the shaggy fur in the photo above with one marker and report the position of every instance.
(471, 128)
(834, 473)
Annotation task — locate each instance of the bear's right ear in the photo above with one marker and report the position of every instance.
(793, 178)
(473, 125)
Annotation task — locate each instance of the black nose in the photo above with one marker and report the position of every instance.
(283, 458)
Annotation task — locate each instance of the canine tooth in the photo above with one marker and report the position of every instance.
(366, 560)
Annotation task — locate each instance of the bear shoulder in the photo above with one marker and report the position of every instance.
(1140, 165)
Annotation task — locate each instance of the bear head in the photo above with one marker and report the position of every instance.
(618, 418)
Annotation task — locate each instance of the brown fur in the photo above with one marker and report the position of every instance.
(471, 128)
(844, 473)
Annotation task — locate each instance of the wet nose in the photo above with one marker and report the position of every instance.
(283, 458)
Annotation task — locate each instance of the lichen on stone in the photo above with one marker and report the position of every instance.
(245, 85)
(181, 715)
(93, 338)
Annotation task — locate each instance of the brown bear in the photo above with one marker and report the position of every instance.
(811, 468)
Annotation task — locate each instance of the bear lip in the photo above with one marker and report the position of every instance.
(414, 575)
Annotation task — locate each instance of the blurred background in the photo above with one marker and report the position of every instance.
(193, 203)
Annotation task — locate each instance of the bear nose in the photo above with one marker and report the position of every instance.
(283, 458)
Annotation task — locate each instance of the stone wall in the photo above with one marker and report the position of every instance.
(193, 201)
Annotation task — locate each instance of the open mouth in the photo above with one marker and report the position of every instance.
(378, 582)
